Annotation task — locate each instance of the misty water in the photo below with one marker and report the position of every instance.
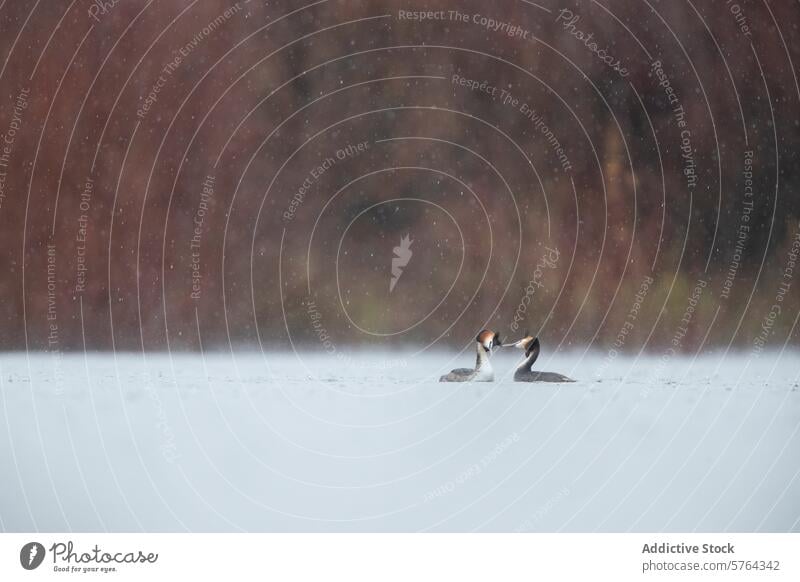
(371, 441)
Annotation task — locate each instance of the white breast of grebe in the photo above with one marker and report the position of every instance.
(484, 373)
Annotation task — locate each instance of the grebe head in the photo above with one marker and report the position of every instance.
(489, 339)
(527, 343)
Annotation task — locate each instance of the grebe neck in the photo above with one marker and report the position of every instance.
(531, 357)
(483, 364)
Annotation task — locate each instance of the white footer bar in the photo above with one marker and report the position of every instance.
(400, 557)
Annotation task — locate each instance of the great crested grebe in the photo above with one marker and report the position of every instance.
(486, 340)
(524, 373)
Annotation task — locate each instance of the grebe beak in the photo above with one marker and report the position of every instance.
(515, 344)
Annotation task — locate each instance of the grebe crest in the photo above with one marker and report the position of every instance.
(527, 343)
(489, 339)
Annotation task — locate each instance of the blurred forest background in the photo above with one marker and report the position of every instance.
(188, 174)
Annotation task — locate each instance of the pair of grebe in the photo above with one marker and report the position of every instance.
(488, 340)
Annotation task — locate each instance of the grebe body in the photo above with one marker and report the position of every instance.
(482, 372)
(523, 373)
